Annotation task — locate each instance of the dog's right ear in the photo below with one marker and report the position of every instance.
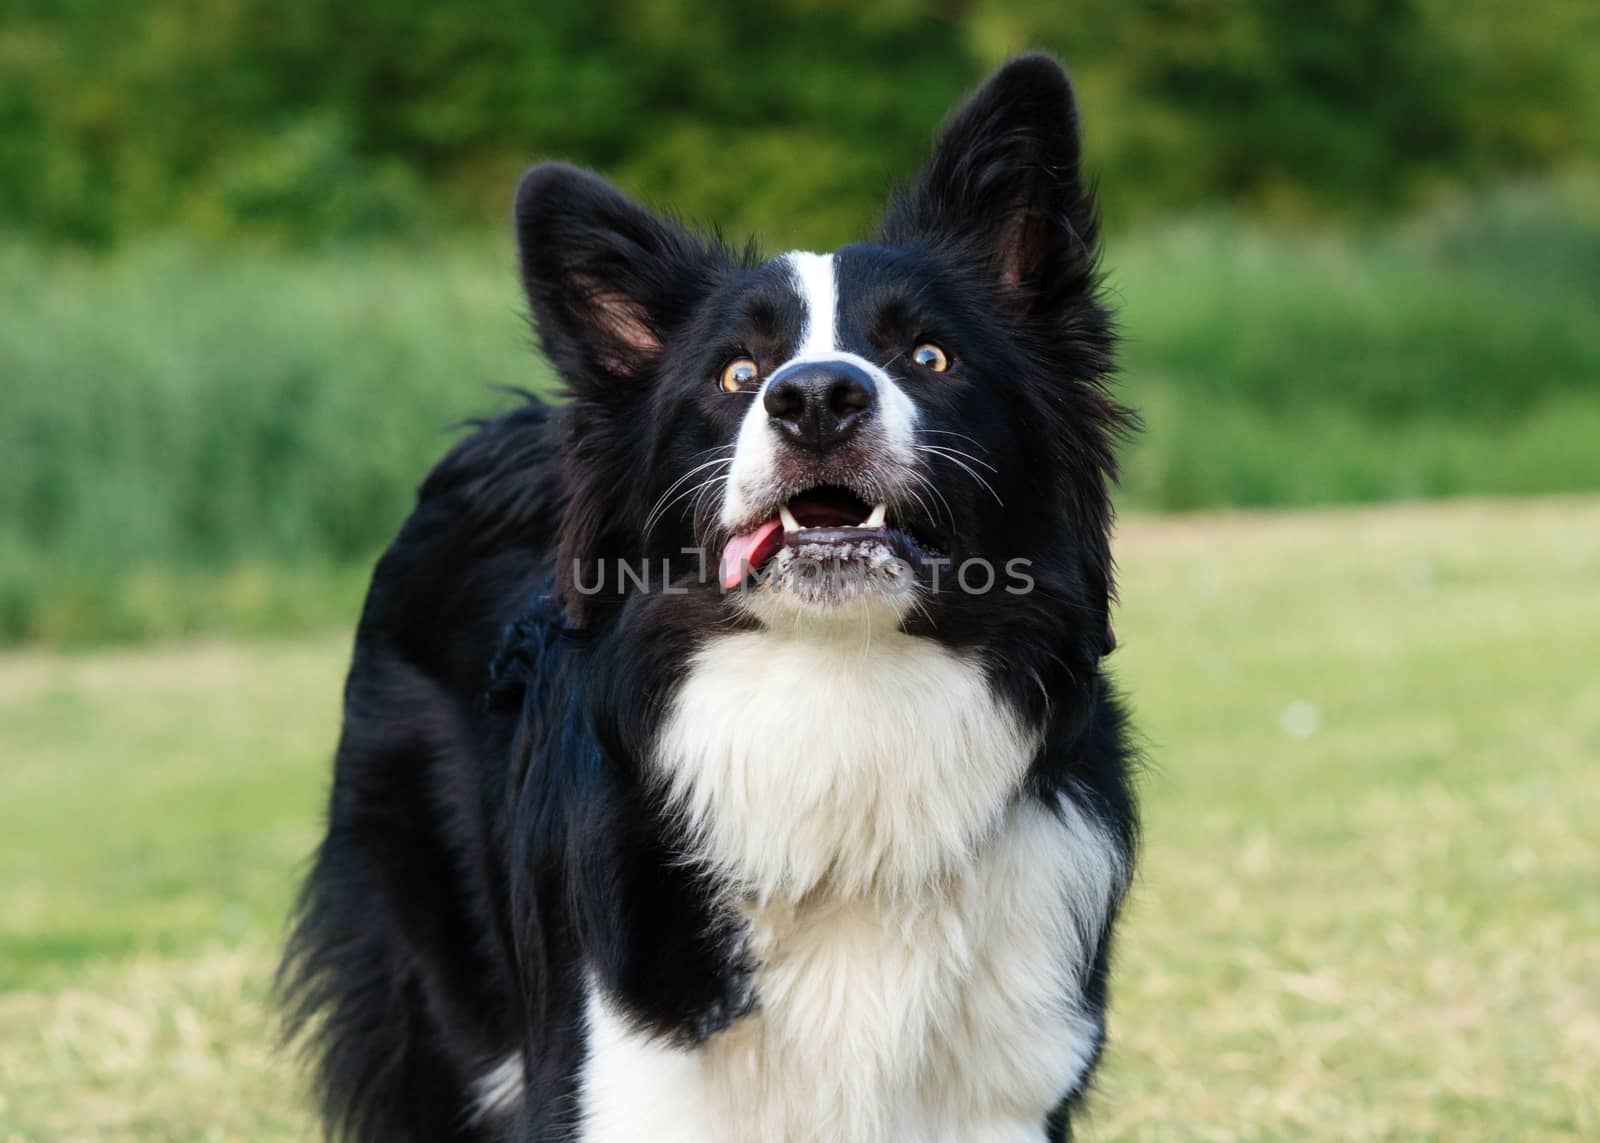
(607, 280)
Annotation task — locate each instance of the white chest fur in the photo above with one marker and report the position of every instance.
(924, 933)
(800, 758)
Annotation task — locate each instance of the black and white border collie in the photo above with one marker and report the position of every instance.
(727, 754)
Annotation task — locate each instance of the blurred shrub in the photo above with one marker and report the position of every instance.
(318, 119)
(1467, 311)
(307, 179)
(193, 438)
(174, 407)
(1453, 353)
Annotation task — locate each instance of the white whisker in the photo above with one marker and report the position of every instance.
(958, 452)
(949, 512)
(728, 448)
(684, 495)
(921, 503)
(968, 469)
(976, 443)
(922, 609)
(663, 504)
(702, 499)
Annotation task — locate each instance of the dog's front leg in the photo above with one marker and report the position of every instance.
(657, 935)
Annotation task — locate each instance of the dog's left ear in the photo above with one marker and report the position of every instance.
(606, 278)
(1003, 189)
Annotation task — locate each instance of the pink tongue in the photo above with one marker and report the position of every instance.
(744, 553)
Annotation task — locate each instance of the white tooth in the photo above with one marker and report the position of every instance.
(790, 524)
(879, 514)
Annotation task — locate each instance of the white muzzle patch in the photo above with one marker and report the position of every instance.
(753, 483)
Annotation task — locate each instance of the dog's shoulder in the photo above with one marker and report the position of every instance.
(503, 477)
(474, 547)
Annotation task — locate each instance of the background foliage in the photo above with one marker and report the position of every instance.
(317, 118)
(253, 260)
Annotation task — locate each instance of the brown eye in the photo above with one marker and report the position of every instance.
(738, 374)
(930, 356)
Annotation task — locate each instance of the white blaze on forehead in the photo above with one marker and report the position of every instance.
(819, 290)
(751, 477)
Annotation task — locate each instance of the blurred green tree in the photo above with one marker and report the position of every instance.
(311, 120)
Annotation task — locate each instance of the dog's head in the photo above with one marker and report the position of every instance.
(914, 425)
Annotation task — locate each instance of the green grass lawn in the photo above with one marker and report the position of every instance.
(1369, 904)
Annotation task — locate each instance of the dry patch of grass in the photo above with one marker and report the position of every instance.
(1367, 908)
(150, 1049)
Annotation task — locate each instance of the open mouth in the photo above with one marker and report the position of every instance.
(827, 523)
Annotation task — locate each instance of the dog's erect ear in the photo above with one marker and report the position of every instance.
(606, 278)
(1003, 187)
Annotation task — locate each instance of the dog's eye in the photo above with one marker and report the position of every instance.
(930, 356)
(738, 374)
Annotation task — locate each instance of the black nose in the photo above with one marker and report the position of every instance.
(820, 404)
